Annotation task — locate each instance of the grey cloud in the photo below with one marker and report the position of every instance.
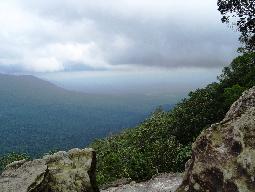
(70, 67)
(171, 45)
(118, 35)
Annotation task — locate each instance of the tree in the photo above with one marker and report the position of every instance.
(243, 14)
(241, 71)
(231, 94)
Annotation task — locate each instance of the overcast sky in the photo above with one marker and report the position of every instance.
(44, 36)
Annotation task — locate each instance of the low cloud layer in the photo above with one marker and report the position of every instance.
(82, 35)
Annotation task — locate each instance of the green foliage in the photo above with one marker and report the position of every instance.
(202, 108)
(11, 157)
(241, 71)
(209, 105)
(141, 152)
(162, 143)
(242, 13)
(231, 94)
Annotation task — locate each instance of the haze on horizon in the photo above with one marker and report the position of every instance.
(116, 46)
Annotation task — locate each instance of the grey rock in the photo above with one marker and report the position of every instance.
(223, 156)
(162, 183)
(246, 101)
(61, 172)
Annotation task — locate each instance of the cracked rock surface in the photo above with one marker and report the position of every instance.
(223, 156)
(61, 172)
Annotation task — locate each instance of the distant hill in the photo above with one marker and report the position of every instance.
(36, 116)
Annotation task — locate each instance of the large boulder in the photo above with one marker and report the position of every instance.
(61, 172)
(223, 156)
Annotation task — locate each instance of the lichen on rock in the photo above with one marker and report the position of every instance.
(61, 172)
(223, 156)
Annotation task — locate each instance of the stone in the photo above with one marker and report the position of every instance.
(223, 156)
(61, 172)
(165, 182)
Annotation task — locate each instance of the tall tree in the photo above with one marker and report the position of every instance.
(240, 13)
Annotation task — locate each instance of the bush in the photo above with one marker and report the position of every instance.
(231, 94)
(141, 152)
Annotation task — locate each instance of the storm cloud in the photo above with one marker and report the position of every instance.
(82, 35)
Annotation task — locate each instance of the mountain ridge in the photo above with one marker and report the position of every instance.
(37, 116)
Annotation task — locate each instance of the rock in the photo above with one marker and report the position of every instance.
(161, 183)
(61, 172)
(116, 183)
(246, 101)
(223, 156)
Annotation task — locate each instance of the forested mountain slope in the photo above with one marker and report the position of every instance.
(162, 143)
(37, 116)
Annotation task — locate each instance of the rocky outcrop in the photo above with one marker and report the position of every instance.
(223, 156)
(61, 172)
(161, 183)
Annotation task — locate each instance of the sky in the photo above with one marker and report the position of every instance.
(51, 38)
